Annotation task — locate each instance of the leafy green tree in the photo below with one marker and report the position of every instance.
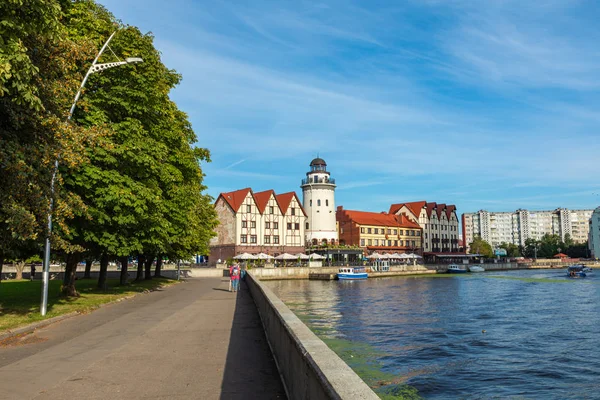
(512, 250)
(480, 246)
(549, 245)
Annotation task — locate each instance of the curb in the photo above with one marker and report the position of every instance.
(36, 325)
(40, 324)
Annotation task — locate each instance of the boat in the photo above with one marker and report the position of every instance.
(352, 273)
(476, 268)
(456, 269)
(577, 271)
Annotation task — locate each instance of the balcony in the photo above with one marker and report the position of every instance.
(313, 180)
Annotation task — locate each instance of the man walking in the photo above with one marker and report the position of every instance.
(235, 277)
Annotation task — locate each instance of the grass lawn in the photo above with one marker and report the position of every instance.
(20, 300)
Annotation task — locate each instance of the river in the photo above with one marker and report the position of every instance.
(529, 334)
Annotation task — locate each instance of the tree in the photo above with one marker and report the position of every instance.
(512, 250)
(549, 245)
(480, 246)
(530, 248)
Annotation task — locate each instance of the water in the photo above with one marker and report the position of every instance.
(494, 335)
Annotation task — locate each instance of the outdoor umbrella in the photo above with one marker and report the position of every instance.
(302, 256)
(286, 256)
(315, 256)
(245, 256)
(374, 256)
(263, 256)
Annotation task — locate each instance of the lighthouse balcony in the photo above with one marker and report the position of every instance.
(315, 179)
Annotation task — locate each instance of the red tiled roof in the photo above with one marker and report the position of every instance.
(262, 199)
(380, 219)
(449, 210)
(440, 209)
(414, 206)
(430, 207)
(285, 199)
(235, 199)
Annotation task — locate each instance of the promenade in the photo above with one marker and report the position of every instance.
(194, 340)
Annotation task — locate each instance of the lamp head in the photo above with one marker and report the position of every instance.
(131, 60)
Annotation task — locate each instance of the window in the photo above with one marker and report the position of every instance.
(319, 202)
(362, 230)
(395, 243)
(275, 225)
(369, 242)
(395, 231)
(418, 233)
(368, 230)
(402, 243)
(425, 235)
(271, 210)
(362, 242)
(243, 239)
(267, 225)
(276, 239)
(341, 230)
(267, 239)
(289, 226)
(249, 208)
(297, 226)
(310, 203)
(376, 242)
(412, 242)
(252, 238)
(244, 224)
(400, 232)
(389, 231)
(252, 224)
(327, 202)
(307, 225)
(389, 243)
(293, 210)
(376, 231)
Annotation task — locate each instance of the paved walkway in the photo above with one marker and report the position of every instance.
(194, 340)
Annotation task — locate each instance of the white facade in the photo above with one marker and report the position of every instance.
(516, 227)
(318, 199)
(594, 234)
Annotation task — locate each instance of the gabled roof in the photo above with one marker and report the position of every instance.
(235, 199)
(440, 209)
(262, 199)
(285, 199)
(449, 210)
(416, 207)
(430, 207)
(380, 219)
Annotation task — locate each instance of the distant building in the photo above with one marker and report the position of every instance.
(379, 232)
(516, 227)
(594, 234)
(262, 222)
(438, 221)
(318, 198)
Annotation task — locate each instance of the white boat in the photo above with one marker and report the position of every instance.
(456, 269)
(476, 268)
(352, 273)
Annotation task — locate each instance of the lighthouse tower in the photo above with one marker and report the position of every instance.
(318, 199)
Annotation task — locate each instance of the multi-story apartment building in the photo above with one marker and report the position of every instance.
(258, 222)
(438, 221)
(594, 234)
(516, 227)
(380, 232)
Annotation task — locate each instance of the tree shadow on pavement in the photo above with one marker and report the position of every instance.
(250, 370)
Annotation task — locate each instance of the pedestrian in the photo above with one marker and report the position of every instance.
(235, 277)
(230, 277)
(32, 273)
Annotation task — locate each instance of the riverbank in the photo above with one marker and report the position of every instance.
(20, 300)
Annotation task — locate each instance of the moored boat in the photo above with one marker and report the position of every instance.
(352, 273)
(577, 271)
(476, 268)
(457, 269)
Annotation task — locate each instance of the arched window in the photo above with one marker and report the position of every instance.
(327, 202)
(315, 242)
(319, 202)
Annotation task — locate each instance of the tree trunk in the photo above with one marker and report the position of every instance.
(140, 268)
(148, 265)
(159, 262)
(68, 288)
(103, 271)
(88, 269)
(20, 266)
(124, 264)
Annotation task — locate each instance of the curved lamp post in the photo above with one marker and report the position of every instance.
(95, 67)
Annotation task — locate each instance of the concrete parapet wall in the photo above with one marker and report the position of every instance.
(309, 369)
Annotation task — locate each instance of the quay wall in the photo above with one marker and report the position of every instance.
(308, 368)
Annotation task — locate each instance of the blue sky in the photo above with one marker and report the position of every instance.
(484, 104)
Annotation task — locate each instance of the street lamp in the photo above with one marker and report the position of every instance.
(95, 67)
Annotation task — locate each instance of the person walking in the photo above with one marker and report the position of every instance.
(32, 272)
(235, 277)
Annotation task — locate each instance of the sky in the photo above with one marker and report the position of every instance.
(483, 104)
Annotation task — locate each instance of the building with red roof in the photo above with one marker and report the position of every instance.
(439, 223)
(261, 222)
(379, 232)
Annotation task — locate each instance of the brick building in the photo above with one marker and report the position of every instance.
(379, 232)
(262, 222)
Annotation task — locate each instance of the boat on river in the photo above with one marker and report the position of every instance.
(457, 269)
(577, 271)
(476, 268)
(352, 273)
